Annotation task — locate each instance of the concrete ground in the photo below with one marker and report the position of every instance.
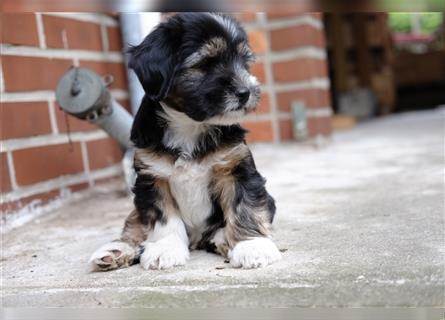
(360, 223)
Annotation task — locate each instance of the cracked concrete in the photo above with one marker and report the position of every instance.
(360, 223)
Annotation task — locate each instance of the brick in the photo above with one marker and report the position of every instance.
(19, 28)
(257, 41)
(5, 181)
(258, 71)
(258, 131)
(264, 104)
(317, 15)
(299, 70)
(79, 187)
(296, 36)
(108, 180)
(103, 153)
(245, 16)
(39, 199)
(79, 34)
(24, 119)
(30, 73)
(75, 125)
(315, 126)
(114, 39)
(286, 131)
(43, 163)
(312, 98)
(292, 12)
(284, 12)
(116, 69)
(126, 104)
(318, 126)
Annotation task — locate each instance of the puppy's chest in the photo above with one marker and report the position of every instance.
(189, 184)
(190, 181)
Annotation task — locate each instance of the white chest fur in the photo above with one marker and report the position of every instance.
(189, 183)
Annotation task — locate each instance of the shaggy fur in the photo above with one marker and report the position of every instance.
(197, 185)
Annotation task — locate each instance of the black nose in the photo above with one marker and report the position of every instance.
(243, 95)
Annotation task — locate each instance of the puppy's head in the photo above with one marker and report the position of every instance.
(198, 64)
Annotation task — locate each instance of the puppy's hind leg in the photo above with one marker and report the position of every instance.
(123, 252)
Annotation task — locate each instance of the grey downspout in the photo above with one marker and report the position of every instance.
(132, 35)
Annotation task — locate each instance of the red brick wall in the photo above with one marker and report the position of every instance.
(291, 65)
(37, 162)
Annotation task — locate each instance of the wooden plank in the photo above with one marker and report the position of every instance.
(389, 53)
(364, 67)
(342, 122)
(338, 52)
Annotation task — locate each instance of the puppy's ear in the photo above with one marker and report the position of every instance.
(154, 60)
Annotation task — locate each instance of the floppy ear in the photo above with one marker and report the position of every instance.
(154, 61)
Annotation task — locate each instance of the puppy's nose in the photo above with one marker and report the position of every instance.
(243, 95)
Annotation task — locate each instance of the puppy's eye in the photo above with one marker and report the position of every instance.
(249, 59)
(246, 53)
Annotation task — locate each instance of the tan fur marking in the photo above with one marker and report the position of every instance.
(224, 185)
(134, 231)
(214, 47)
(152, 163)
(166, 202)
(191, 74)
(211, 49)
(227, 159)
(223, 249)
(243, 48)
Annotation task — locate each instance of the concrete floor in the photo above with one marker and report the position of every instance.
(360, 223)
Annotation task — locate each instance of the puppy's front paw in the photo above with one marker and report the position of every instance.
(164, 254)
(113, 255)
(255, 253)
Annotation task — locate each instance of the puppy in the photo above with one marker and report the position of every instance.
(197, 186)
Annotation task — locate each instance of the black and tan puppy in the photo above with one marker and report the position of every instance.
(197, 186)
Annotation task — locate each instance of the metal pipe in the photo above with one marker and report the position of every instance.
(134, 27)
(117, 124)
(132, 35)
(84, 95)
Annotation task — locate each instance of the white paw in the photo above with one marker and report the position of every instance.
(255, 253)
(164, 254)
(112, 255)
